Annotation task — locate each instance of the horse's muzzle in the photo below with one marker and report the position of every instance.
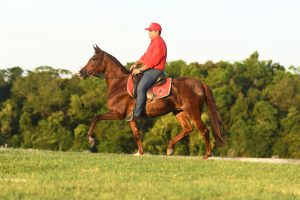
(82, 75)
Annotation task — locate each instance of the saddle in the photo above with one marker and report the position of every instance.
(160, 89)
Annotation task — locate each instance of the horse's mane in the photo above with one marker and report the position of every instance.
(123, 69)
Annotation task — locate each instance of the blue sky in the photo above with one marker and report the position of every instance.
(60, 33)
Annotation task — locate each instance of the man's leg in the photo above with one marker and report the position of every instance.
(148, 79)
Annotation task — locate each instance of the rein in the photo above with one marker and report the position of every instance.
(117, 76)
(102, 76)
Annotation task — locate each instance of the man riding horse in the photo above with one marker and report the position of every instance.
(185, 101)
(153, 65)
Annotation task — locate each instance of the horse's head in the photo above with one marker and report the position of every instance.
(95, 65)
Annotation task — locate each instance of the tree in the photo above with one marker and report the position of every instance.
(264, 130)
(288, 141)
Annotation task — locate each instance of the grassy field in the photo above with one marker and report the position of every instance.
(34, 174)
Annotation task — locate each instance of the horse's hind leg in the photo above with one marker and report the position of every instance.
(186, 128)
(204, 132)
(137, 135)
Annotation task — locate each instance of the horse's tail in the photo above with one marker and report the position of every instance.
(214, 115)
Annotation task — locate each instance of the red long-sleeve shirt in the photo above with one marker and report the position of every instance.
(156, 54)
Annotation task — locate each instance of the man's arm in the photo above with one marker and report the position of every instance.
(138, 62)
(159, 52)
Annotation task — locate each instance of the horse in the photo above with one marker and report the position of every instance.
(186, 101)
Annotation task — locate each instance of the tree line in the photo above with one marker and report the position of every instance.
(259, 102)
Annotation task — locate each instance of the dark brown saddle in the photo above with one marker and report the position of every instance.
(137, 78)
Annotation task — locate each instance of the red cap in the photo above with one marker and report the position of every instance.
(154, 27)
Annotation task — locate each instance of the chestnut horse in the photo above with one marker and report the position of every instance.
(185, 102)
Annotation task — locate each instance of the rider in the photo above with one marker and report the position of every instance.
(153, 64)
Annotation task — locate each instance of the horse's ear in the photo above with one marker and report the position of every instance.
(97, 49)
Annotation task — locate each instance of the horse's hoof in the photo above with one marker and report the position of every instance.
(93, 149)
(137, 154)
(91, 141)
(170, 152)
(206, 156)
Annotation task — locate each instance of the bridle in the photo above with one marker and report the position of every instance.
(102, 75)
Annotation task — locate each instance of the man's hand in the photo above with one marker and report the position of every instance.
(136, 71)
(133, 66)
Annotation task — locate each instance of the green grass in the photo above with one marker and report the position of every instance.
(34, 174)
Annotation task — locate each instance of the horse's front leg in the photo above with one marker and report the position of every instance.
(137, 135)
(111, 115)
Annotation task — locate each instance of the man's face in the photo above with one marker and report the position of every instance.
(153, 34)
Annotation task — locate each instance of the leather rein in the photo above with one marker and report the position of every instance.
(104, 76)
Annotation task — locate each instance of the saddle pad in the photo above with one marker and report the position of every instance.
(158, 91)
(161, 91)
(130, 86)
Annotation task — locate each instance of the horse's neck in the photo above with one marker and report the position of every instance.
(115, 75)
(114, 67)
(114, 71)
